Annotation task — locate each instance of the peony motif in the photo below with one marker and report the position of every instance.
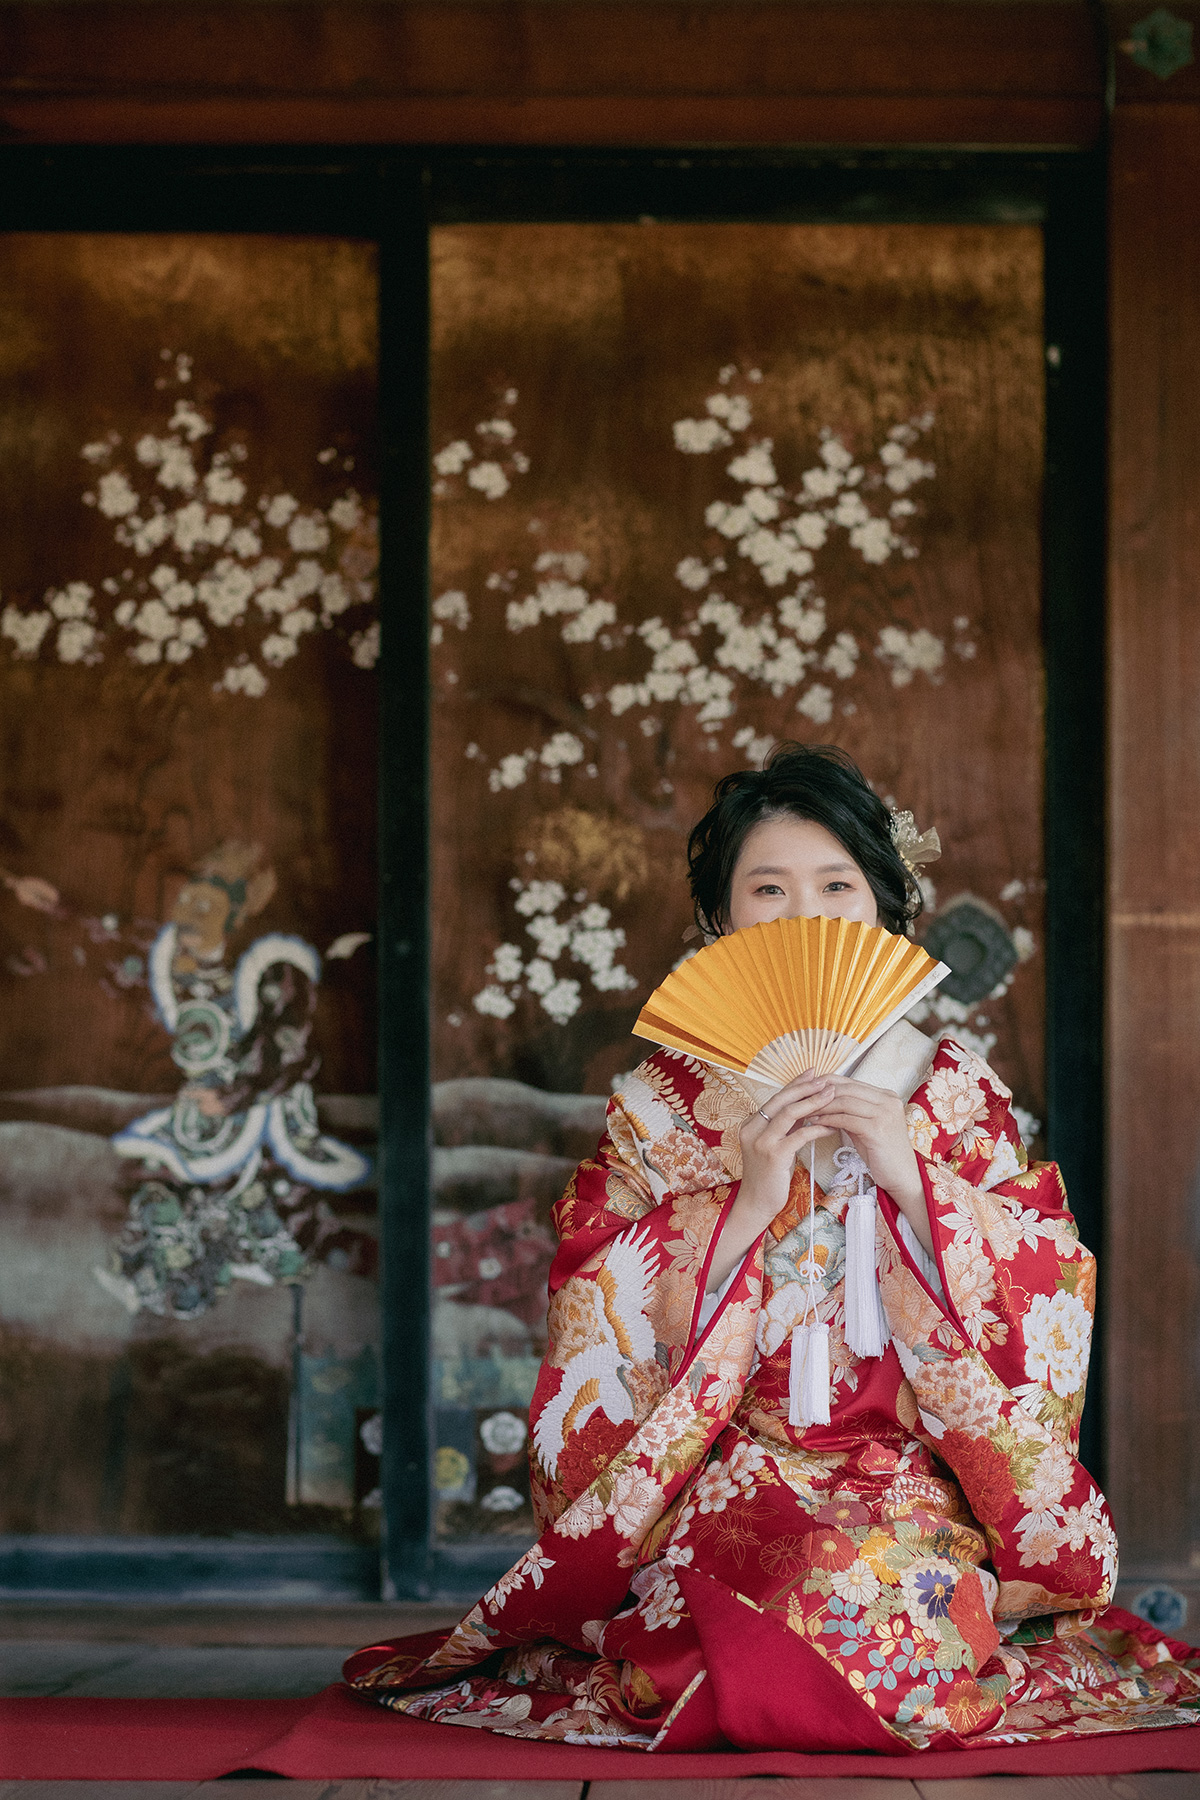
(636, 1502)
(685, 1162)
(973, 1285)
(956, 1099)
(670, 1305)
(1057, 1330)
(581, 1518)
(965, 1394)
(571, 1322)
(1005, 1163)
(726, 1352)
(647, 1382)
(913, 1314)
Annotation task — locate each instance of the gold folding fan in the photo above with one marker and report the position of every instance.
(777, 999)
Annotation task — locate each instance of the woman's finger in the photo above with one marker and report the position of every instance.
(861, 1109)
(780, 1115)
(867, 1099)
(855, 1126)
(803, 1084)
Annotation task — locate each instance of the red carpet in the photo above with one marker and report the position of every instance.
(333, 1736)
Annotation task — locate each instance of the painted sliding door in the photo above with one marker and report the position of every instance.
(188, 1319)
(699, 489)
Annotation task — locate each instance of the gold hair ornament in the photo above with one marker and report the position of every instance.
(914, 848)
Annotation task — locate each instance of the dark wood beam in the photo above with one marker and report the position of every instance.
(762, 71)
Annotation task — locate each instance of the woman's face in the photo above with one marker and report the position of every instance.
(793, 868)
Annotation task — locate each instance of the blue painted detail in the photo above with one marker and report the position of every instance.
(276, 947)
(1163, 1606)
(1161, 43)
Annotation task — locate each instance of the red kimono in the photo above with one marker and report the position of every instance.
(930, 1568)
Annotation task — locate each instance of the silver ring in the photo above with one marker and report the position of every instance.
(764, 1115)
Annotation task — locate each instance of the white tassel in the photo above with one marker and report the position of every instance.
(867, 1331)
(808, 1378)
(808, 1372)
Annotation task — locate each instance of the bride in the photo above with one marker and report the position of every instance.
(932, 1566)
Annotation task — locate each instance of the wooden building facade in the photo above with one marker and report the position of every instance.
(371, 107)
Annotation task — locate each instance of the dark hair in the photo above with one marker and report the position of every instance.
(817, 782)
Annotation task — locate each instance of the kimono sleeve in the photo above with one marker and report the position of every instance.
(1017, 1280)
(998, 1364)
(636, 1228)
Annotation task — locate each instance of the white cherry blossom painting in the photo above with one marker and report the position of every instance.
(698, 490)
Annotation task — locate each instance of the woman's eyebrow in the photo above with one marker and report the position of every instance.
(822, 869)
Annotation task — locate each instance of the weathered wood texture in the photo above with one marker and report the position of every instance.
(610, 637)
(584, 74)
(1163, 1785)
(127, 757)
(1154, 968)
(155, 704)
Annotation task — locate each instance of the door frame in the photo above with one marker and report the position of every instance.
(395, 197)
(1063, 193)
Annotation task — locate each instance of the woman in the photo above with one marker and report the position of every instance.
(931, 1566)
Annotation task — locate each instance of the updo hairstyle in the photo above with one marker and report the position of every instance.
(817, 782)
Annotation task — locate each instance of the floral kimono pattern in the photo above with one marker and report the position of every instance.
(931, 1568)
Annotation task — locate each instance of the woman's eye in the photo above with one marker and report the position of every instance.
(837, 887)
(769, 889)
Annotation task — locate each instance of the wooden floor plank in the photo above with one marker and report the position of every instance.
(386, 1790)
(104, 1790)
(365, 1622)
(277, 1788)
(462, 1790)
(1160, 1784)
(763, 1787)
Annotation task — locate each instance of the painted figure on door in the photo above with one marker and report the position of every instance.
(234, 1173)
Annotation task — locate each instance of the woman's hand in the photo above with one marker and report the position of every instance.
(873, 1120)
(812, 1107)
(771, 1140)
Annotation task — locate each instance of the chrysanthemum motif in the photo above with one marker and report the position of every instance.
(858, 1585)
(928, 1588)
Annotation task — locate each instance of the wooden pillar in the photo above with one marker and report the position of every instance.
(1153, 1251)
